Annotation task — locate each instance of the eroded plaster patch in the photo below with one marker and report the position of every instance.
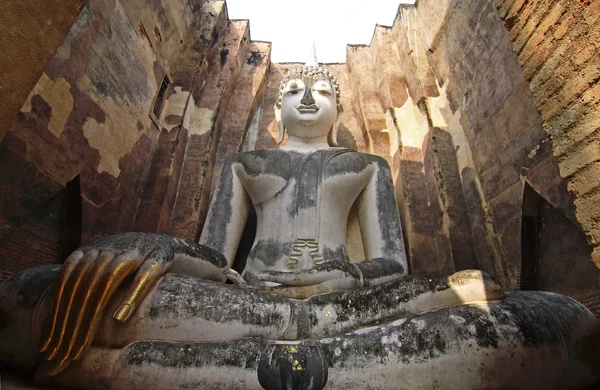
(58, 95)
(198, 120)
(413, 124)
(113, 138)
(175, 106)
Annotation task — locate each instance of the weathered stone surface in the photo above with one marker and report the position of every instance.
(557, 43)
(27, 43)
(445, 185)
(88, 115)
(247, 99)
(202, 120)
(525, 327)
(366, 101)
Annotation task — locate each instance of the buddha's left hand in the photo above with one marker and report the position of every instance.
(332, 276)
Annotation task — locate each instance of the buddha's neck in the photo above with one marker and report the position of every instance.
(305, 144)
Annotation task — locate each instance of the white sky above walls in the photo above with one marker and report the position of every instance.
(292, 25)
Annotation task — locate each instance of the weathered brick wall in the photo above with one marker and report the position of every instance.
(30, 32)
(46, 236)
(28, 246)
(558, 47)
(89, 116)
(501, 135)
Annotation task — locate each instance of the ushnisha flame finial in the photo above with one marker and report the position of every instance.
(312, 58)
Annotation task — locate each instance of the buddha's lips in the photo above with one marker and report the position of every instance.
(310, 108)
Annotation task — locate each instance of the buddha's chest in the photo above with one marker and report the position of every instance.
(303, 178)
(308, 188)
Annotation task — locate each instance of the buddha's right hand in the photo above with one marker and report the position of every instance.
(92, 274)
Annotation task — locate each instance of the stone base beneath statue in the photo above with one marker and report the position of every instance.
(528, 340)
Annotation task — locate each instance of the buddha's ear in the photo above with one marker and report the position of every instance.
(279, 124)
(336, 125)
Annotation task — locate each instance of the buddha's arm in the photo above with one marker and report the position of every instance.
(93, 273)
(380, 227)
(228, 212)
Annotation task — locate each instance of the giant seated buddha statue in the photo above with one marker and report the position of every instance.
(140, 310)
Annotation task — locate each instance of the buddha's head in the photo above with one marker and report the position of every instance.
(309, 104)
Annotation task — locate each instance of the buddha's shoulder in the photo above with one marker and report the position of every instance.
(266, 159)
(274, 161)
(354, 161)
(265, 155)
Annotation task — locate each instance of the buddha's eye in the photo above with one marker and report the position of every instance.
(292, 92)
(323, 92)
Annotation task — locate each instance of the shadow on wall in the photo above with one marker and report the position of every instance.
(47, 235)
(555, 255)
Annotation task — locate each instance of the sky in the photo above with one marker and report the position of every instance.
(292, 25)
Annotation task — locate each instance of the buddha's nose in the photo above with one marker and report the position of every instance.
(307, 99)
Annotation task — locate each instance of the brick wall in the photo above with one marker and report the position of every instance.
(43, 29)
(27, 246)
(47, 236)
(89, 116)
(558, 47)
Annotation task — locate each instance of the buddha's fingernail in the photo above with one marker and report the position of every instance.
(60, 367)
(123, 312)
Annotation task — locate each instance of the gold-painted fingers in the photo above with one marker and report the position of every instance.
(145, 279)
(57, 297)
(81, 308)
(119, 269)
(68, 291)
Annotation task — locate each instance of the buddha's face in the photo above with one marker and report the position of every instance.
(308, 106)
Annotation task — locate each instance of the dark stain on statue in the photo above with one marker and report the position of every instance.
(310, 174)
(387, 210)
(347, 163)
(371, 305)
(416, 343)
(207, 300)
(306, 320)
(220, 213)
(485, 335)
(345, 138)
(269, 251)
(308, 181)
(373, 269)
(241, 353)
(536, 330)
(271, 162)
(340, 254)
